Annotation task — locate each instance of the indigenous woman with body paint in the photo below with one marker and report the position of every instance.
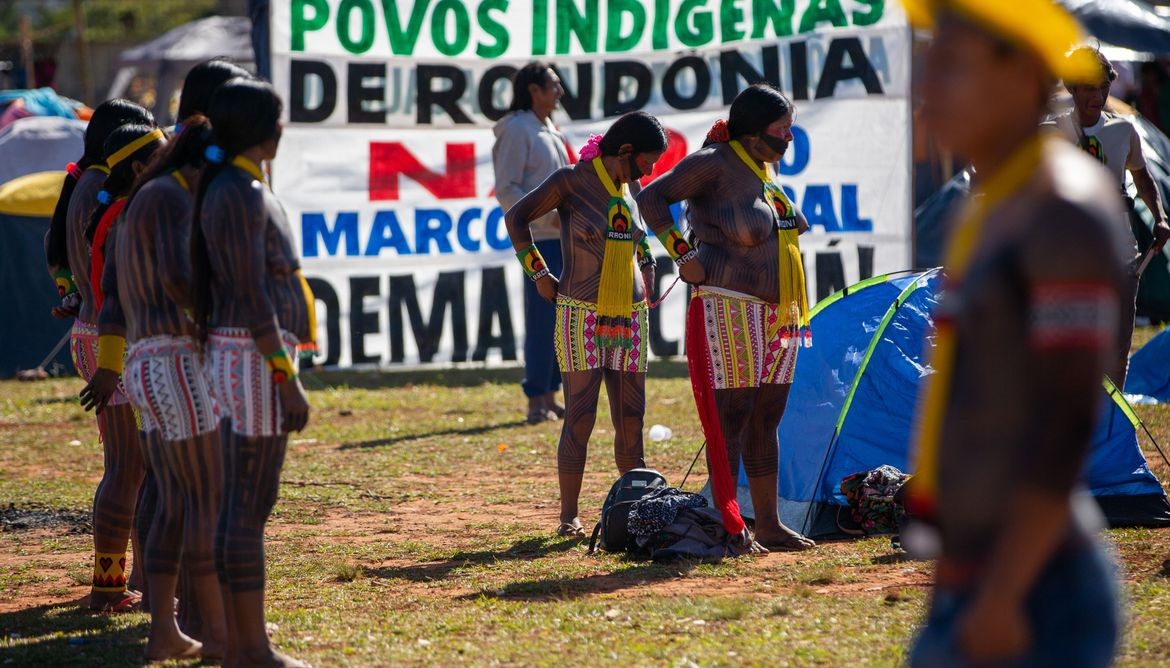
(91, 167)
(67, 247)
(169, 392)
(198, 87)
(148, 276)
(252, 309)
(749, 314)
(601, 310)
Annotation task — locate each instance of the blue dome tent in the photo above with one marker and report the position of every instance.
(1149, 369)
(853, 402)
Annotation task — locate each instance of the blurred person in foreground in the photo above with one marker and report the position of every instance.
(1113, 141)
(1025, 331)
(528, 149)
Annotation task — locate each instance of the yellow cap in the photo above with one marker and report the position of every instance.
(1040, 25)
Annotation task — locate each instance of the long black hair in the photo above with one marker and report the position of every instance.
(193, 132)
(638, 129)
(243, 113)
(121, 176)
(755, 108)
(535, 72)
(201, 83)
(109, 116)
(187, 149)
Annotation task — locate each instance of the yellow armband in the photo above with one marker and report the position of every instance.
(111, 353)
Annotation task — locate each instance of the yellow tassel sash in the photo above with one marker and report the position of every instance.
(793, 294)
(615, 294)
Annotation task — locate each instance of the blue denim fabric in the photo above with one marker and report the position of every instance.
(1073, 609)
(541, 374)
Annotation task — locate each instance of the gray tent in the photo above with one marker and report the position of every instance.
(162, 63)
(39, 144)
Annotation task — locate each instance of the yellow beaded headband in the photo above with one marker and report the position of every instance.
(129, 149)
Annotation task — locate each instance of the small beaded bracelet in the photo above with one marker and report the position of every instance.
(64, 280)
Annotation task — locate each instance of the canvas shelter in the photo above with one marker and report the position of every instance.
(161, 64)
(39, 144)
(1149, 369)
(26, 289)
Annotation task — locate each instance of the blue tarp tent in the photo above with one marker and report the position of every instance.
(1149, 369)
(26, 289)
(853, 399)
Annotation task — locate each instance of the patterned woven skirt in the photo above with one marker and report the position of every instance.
(576, 339)
(745, 342)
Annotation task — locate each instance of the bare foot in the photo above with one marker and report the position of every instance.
(782, 539)
(745, 543)
(117, 601)
(178, 647)
(192, 628)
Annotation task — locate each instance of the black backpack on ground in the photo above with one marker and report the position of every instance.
(615, 512)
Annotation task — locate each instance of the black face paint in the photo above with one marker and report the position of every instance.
(635, 171)
(775, 143)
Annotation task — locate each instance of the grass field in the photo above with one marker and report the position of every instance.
(415, 527)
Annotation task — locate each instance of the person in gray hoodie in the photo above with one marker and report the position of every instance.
(528, 149)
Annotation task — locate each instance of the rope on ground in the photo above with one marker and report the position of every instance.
(1154, 441)
(692, 467)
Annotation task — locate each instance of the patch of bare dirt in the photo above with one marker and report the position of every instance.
(56, 547)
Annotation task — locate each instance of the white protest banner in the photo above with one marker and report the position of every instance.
(385, 166)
